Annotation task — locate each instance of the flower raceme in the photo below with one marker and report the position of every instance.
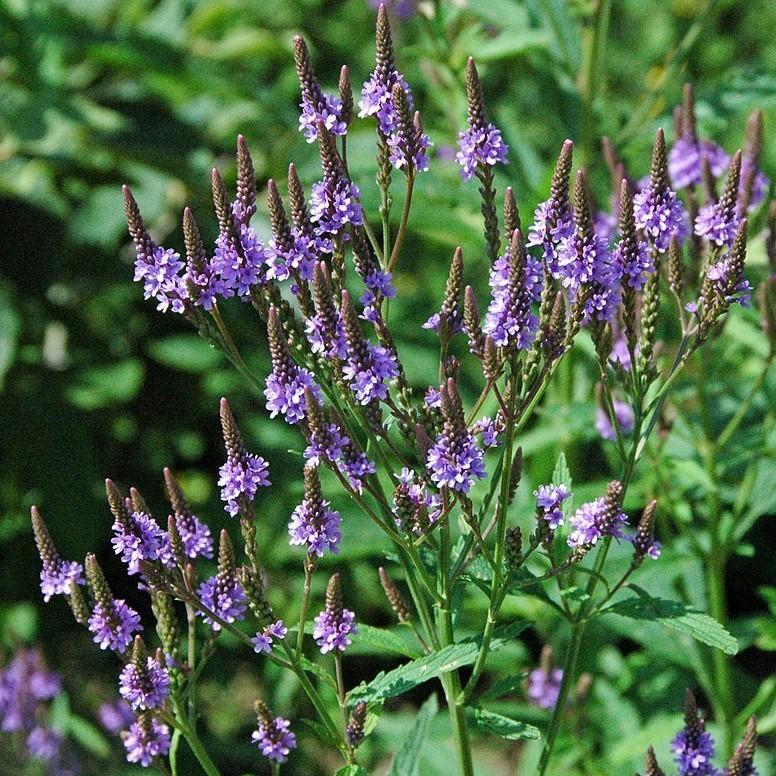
(436, 469)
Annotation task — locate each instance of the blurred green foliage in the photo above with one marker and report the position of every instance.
(94, 382)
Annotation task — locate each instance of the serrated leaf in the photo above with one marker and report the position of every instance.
(678, 617)
(319, 671)
(504, 686)
(409, 675)
(380, 640)
(407, 760)
(504, 727)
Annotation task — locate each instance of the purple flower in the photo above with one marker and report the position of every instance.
(333, 630)
(299, 259)
(223, 595)
(44, 743)
(694, 750)
(263, 640)
(717, 224)
(594, 520)
(366, 371)
(456, 461)
(240, 262)
(659, 215)
(377, 94)
(549, 502)
(480, 147)
(204, 284)
(334, 446)
(402, 9)
(489, 430)
(115, 715)
(160, 273)
(24, 683)
(145, 689)
(196, 537)
(240, 479)
(720, 276)
(114, 625)
(331, 344)
(58, 577)
(686, 158)
(635, 263)
(414, 508)
(274, 738)
(285, 392)
(432, 398)
(544, 687)
(146, 739)
(333, 205)
(516, 283)
(624, 416)
(141, 539)
(409, 151)
(324, 108)
(553, 224)
(585, 265)
(315, 525)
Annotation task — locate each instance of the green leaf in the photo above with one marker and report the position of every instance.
(10, 328)
(319, 671)
(409, 675)
(504, 686)
(186, 352)
(321, 731)
(379, 641)
(88, 736)
(107, 385)
(678, 617)
(407, 760)
(504, 727)
(352, 770)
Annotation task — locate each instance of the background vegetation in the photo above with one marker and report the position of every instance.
(95, 383)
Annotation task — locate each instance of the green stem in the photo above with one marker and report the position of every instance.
(309, 568)
(405, 217)
(745, 406)
(191, 618)
(569, 670)
(195, 744)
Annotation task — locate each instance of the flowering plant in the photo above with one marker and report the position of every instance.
(434, 472)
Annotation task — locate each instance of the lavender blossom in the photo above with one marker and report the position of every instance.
(223, 594)
(726, 282)
(334, 626)
(312, 523)
(141, 539)
(553, 219)
(263, 640)
(549, 503)
(195, 535)
(144, 683)
(597, 519)
(455, 460)
(489, 430)
(44, 743)
(658, 212)
(624, 416)
(146, 739)
(687, 158)
(203, 283)
(273, 735)
(57, 576)
(113, 627)
(160, 273)
(481, 144)
(693, 746)
(544, 687)
(516, 281)
(287, 382)
(718, 222)
(115, 715)
(243, 473)
(414, 507)
(585, 265)
(377, 95)
(316, 106)
(634, 260)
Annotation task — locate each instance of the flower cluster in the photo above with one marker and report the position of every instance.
(334, 626)
(597, 519)
(25, 686)
(146, 739)
(223, 594)
(144, 683)
(415, 508)
(139, 538)
(312, 523)
(57, 576)
(263, 641)
(273, 735)
(549, 503)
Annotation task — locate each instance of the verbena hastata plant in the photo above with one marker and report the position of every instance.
(438, 477)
